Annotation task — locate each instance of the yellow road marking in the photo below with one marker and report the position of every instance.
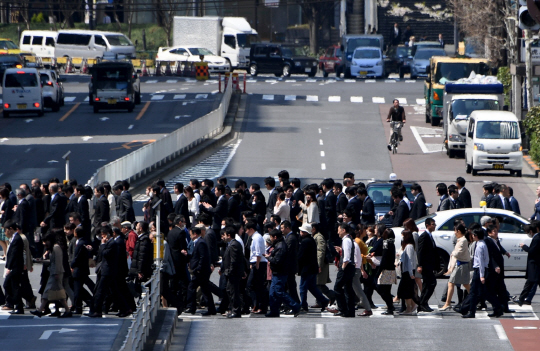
(64, 117)
(139, 116)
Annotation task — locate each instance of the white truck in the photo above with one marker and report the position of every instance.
(463, 97)
(228, 37)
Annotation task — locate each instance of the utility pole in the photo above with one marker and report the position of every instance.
(528, 68)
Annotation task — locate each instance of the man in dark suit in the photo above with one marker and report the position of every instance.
(124, 203)
(72, 201)
(143, 255)
(418, 208)
(532, 274)
(442, 194)
(14, 269)
(402, 210)
(464, 194)
(452, 201)
(165, 196)
(221, 209)
(330, 203)
(341, 198)
(233, 267)
(514, 205)
(498, 200)
(22, 212)
(291, 240)
(57, 210)
(84, 211)
(396, 35)
(495, 277)
(297, 196)
(79, 268)
(176, 238)
(106, 270)
(488, 194)
(121, 295)
(199, 264)
(209, 235)
(181, 207)
(233, 204)
(270, 184)
(355, 204)
(102, 208)
(428, 262)
(367, 215)
(441, 40)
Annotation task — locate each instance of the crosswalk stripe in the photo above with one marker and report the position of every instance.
(311, 80)
(268, 97)
(70, 98)
(410, 81)
(378, 100)
(421, 101)
(357, 99)
(85, 99)
(179, 96)
(390, 81)
(290, 81)
(312, 98)
(157, 97)
(370, 81)
(402, 101)
(171, 81)
(350, 81)
(151, 81)
(201, 96)
(334, 98)
(290, 97)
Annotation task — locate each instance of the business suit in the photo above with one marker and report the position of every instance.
(81, 271)
(176, 238)
(233, 267)
(181, 207)
(166, 204)
(356, 206)
(101, 212)
(449, 204)
(15, 263)
(218, 213)
(32, 216)
(7, 207)
(71, 206)
(57, 211)
(514, 205)
(233, 204)
(496, 202)
(199, 264)
(211, 239)
(418, 209)
(428, 259)
(368, 212)
(272, 199)
(441, 200)
(107, 272)
(84, 211)
(400, 214)
(330, 210)
(536, 214)
(495, 281)
(125, 207)
(22, 216)
(341, 203)
(26, 288)
(465, 198)
(532, 274)
(308, 268)
(291, 240)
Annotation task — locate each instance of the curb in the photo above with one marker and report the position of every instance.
(166, 331)
(528, 160)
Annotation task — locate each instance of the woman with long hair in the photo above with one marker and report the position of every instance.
(459, 266)
(310, 209)
(410, 225)
(193, 203)
(387, 276)
(408, 266)
(6, 213)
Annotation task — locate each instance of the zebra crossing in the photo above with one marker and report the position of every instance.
(338, 99)
(155, 97)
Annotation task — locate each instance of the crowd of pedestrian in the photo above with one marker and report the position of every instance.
(257, 244)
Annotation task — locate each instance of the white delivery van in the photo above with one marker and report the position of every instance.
(92, 44)
(493, 142)
(41, 43)
(22, 91)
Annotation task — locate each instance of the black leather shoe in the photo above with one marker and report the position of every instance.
(339, 314)
(16, 312)
(468, 316)
(77, 311)
(496, 314)
(519, 302)
(427, 309)
(233, 315)
(206, 314)
(95, 315)
(56, 313)
(509, 311)
(47, 311)
(456, 309)
(37, 313)
(388, 313)
(66, 315)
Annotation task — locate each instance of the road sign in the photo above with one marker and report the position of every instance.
(47, 333)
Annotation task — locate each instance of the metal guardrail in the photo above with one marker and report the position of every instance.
(138, 162)
(145, 315)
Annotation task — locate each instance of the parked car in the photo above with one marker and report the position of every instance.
(511, 233)
(398, 60)
(53, 89)
(421, 61)
(368, 62)
(281, 60)
(379, 192)
(425, 45)
(10, 61)
(7, 46)
(216, 64)
(330, 62)
(22, 91)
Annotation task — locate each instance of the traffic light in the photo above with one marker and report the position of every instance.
(528, 14)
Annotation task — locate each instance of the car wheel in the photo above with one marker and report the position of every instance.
(62, 103)
(138, 98)
(325, 74)
(347, 73)
(518, 173)
(413, 77)
(286, 71)
(435, 121)
(40, 112)
(401, 73)
(96, 109)
(230, 66)
(428, 119)
(473, 171)
(56, 107)
(253, 70)
(6, 114)
(468, 167)
(90, 99)
(313, 74)
(444, 258)
(130, 108)
(450, 153)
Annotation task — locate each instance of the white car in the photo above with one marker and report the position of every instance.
(367, 62)
(216, 64)
(53, 89)
(511, 233)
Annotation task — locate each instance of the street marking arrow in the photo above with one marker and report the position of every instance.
(47, 333)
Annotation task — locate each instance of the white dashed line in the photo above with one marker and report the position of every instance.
(130, 126)
(290, 81)
(85, 99)
(378, 100)
(421, 101)
(334, 99)
(171, 81)
(201, 96)
(151, 81)
(179, 97)
(410, 81)
(323, 166)
(312, 98)
(70, 98)
(500, 332)
(320, 142)
(319, 331)
(157, 97)
(320, 131)
(290, 97)
(350, 81)
(402, 101)
(322, 153)
(268, 97)
(311, 80)
(390, 81)
(370, 81)
(357, 99)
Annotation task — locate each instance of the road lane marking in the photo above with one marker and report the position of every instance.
(334, 98)
(311, 80)
(350, 80)
(139, 116)
(151, 81)
(171, 81)
(526, 328)
(64, 117)
(322, 153)
(500, 332)
(157, 97)
(201, 96)
(402, 101)
(421, 101)
(70, 98)
(130, 126)
(312, 98)
(410, 81)
(323, 166)
(268, 97)
(86, 99)
(357, 99)
(378, 100)
(320, 131)
(290, 97)
(390, 81)
(179, 97)
(320, 142)
(290, 81)
(59, 325)
(319, 331)
(371, 81)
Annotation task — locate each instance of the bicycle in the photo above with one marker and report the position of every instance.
(395, 139)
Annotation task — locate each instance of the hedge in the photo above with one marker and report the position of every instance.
(532, 127)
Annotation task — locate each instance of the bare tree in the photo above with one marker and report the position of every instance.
(316, 12)
(129, 10)
(165, 12)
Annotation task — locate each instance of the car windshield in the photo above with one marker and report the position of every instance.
(367, 54)
(452, 71)
(290, 51)
(112, 78)
(464, 107)
(200, 51)
(380, 194)
(118, 40)
(354, 43)
(7, 45)
(497, 130)
(427, 54)
(404, 51)
(21, 79)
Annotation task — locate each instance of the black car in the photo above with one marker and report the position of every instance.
(9, 61)
(379, 192)
(398, 59)
(282, 60)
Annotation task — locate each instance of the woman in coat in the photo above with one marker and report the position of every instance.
(387, 267)
(459, 266)
(310, 210)
(408, 263)
(6, 213)
(323, 278)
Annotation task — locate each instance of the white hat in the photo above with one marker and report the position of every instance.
(393, 177)
(306, 228)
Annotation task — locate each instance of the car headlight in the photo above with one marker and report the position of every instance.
(455, 137)
(298, 63)
(354, 63)
(380, 63)
(517, 147)
(479, 147)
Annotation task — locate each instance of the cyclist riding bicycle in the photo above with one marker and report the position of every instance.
(396, 114)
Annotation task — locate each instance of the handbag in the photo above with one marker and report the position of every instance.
(56, 295)
(387, 277)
